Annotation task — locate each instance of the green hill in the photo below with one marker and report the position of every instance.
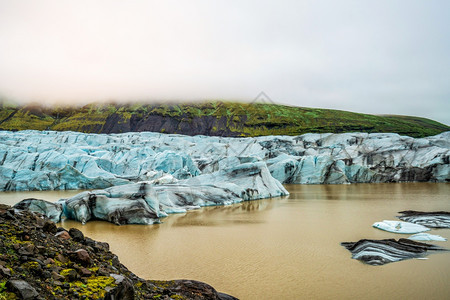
(210, 118)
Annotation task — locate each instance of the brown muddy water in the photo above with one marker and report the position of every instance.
(284, 248)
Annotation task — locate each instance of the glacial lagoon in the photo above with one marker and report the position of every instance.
(286, 248)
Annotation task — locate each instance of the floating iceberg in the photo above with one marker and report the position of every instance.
(436, 219)
(400, 227)
(380, 252)
(427, 237)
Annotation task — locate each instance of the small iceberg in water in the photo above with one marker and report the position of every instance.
(400, 227)
(427, 237)
(435, 219)
(381, 252)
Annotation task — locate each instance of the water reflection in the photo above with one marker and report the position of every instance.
(226, 215)
(378, 191)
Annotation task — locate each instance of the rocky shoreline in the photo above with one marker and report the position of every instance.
(38, 260)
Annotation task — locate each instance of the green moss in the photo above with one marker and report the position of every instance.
(23, 120)
(2, 285)
(162, 284)
(66, 272)
(126, 116)
(8, 296)
(95, 288)
(4, 294)
(58, 263)
(5, 113)
(56, 290)
(88, 123)
(31, 266)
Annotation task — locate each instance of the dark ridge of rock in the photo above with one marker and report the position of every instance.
(76, 234)
(381, 252)
(435, 219)
(38, 264)
(188, 125)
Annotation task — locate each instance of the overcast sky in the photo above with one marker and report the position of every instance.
(380, 57)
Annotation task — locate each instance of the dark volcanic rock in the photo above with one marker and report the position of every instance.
(37, 264)
(188, 125)
(436, 219)
(70, 274)
(76, 234)
(50, 227)
(124, 289)
(23, 289)
(380, 252)
(82, 256)
(198, 290)
(5, 271)
(63, 235)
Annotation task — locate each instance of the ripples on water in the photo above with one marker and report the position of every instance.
(286, 248)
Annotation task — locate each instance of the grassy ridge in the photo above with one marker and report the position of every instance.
(210, 118)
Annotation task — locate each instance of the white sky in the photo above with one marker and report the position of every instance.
(380, 57)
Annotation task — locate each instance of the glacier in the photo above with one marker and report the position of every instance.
(146, 202)
(50, 160)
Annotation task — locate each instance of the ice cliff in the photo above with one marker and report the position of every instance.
(50, 160)
(145, 203)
